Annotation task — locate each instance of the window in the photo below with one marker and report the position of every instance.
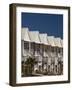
(52, 49)
(46, 49)
(37, 47)
(26, 45)
(45, 60)
(59, 50)
(32, 45)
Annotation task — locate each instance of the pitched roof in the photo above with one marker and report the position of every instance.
(58, 42)
(61, 42)
(34, 36)
(43, 38)
(51, 40)
(25, 34)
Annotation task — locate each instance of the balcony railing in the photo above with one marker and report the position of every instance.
(45, 54)
(26, 53)
(37, 53)
(53, 54)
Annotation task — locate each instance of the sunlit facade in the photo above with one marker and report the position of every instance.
(46, 51)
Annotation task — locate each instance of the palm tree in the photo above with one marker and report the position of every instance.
(30, 65)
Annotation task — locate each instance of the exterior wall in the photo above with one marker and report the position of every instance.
(41, 54)
(47, 58)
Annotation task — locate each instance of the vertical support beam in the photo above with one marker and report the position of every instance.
(54, 60)
(23, 47)
(58, 59)
(29, 47)
(42, 57)
(50, 59)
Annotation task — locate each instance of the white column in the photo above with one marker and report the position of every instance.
(22, 49)
(29, 48)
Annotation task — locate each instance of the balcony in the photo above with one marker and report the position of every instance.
(45, 54)
(37, 53)
(26, 52)
(53, 54)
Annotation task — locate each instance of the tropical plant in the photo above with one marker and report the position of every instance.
(30, 64)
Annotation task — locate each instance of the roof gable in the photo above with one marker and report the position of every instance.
(25, 34)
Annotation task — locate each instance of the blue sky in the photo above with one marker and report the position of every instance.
(51, 24)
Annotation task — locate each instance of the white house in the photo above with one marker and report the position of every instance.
(46, 50)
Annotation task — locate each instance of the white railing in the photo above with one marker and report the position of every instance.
(45, 54)
(27, 53)
(37, 53)
(53, 54)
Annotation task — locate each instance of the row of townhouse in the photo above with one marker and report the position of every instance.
(47, 52)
